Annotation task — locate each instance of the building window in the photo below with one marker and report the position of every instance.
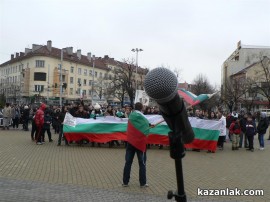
(90, 72)
(40, 76)
(79, 82)
(100, 74)
(71, 80)
(95, 74)
(71, 69)
(85, 72)
(110, 76)
(89, 92)
(84, 92)
(40, 63)
(71, 91)
(39, 88)
(79, 71)
(84, 82)
(90, 82)
(79, 91)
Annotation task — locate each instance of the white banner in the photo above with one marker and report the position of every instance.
(142, 97)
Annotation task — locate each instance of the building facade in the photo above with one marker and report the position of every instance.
(254, 79)
(35, 76)
(242, 57)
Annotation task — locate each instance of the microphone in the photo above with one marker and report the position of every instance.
(161, 85)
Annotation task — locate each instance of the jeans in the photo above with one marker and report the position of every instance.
(261, 140)
(130, 152)
(243, 136)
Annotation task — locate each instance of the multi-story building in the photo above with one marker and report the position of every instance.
(253, 79)
(34, 75)
(242, 57)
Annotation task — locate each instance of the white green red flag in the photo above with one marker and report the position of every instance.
(193, 99)
(105, 129)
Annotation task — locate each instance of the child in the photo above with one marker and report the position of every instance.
(250, 132)
(235, 130)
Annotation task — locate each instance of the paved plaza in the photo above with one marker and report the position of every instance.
(29, 172)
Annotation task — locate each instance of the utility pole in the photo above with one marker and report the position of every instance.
(61, 79)
(93, 79)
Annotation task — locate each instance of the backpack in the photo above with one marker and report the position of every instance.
(236, 126)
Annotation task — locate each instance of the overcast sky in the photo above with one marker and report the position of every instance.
(194, 36)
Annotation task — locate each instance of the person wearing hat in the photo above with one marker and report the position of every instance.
(262, 128)
(25, 117)
(39, 121)
(96, 113)
(235, 130)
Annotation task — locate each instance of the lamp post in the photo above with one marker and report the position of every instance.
(61, 79)
(93, 78)
(137, 50)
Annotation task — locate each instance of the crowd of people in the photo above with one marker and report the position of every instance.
(239, 128)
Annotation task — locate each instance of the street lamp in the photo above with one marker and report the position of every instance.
(93, 78)
(137, 50)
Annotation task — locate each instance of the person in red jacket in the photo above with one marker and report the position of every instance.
(39, 121)
(235, 130)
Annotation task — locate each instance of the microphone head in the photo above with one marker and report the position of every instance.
(161, 84)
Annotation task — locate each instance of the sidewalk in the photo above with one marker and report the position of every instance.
(99, 170)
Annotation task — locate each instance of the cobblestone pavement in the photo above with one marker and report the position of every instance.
(29, 172)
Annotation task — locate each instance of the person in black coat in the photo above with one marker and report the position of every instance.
(25, 117)
(46, 126)
(262, 128)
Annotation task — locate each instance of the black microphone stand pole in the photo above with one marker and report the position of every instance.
(177, 152)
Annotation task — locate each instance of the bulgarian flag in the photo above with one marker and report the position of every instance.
(193, 99)
(137, 130)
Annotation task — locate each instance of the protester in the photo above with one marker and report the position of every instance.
(25, 117)
(222, 134)
(250, 132)
(243, 136)
(262, 128)
(235, 130)
(7, 114)
(34, 127)
(138, 128)
(61, 119)
(46, 126)
(39, 121)
(16, 115)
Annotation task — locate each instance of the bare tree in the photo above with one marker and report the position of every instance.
(201, 85)
(234, 90)
(263, 78)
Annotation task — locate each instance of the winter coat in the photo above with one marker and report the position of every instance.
(7, 112)
(39, 116)
(251, 128)
(47, 121)
(262, 126)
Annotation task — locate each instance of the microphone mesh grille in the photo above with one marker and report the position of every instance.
(161, 84)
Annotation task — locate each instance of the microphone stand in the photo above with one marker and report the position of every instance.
(177, 152)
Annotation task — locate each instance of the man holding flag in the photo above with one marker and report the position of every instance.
(137, 131)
